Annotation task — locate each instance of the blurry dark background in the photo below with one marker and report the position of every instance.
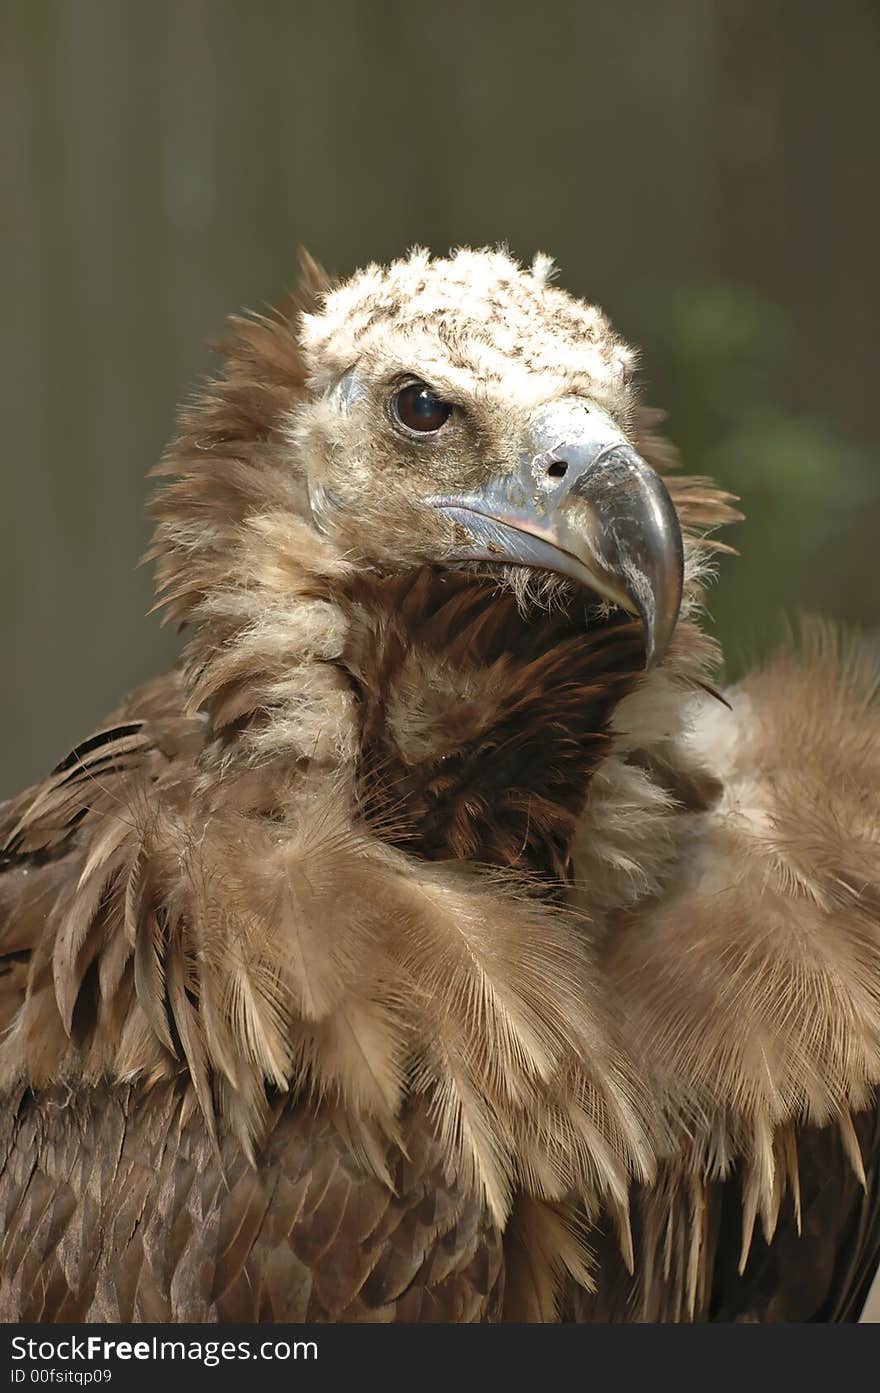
(707, 170)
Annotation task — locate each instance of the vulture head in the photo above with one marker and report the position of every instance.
(467, 411)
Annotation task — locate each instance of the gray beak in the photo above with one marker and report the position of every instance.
(581, 502)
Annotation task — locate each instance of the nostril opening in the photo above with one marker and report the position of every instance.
(557, 469)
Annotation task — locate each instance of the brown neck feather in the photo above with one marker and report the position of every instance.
(480, 728)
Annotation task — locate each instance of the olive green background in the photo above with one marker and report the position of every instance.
(705, 169)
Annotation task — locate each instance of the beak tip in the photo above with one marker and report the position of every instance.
(649, 636)
(658, 608)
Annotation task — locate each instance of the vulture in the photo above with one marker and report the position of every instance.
(436, 941)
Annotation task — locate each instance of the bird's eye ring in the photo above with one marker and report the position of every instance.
(418, 409)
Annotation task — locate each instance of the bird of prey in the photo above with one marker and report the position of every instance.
(435, 941)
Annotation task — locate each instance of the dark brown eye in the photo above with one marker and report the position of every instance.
(418, 409)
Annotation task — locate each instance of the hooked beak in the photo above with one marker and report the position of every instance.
(583, 503)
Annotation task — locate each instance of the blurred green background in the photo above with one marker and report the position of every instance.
(707, 170)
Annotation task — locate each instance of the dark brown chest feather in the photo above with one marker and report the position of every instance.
(481, 726)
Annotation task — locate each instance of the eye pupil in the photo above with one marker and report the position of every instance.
(419, 409)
